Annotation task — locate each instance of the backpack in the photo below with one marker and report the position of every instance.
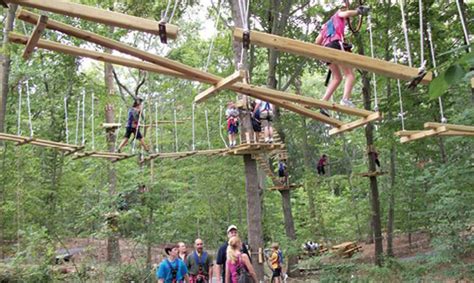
(280, 257)
(330, 31)
(174, 271)
(243, 274)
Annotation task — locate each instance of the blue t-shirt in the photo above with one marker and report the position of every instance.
(164, 270)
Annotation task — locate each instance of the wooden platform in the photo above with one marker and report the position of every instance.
(21, 140)
(436, 129)
(254, 148)
(346, 249)
(114, 157)
(185, 154)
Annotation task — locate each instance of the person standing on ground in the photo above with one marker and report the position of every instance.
(237, 261)
(275, 263)
(199, 264)
(222, 254)
(135, 117)
(172, 269)
(332, 36)
(266, 118)
(182, 251)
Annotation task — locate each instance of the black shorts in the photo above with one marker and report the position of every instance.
(129, 131)
(276, 272)
(336, 44)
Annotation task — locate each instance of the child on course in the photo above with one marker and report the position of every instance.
(332, 36)
(275, 263)
(266, 117)
(323, 161)
(232, 116)
(135, 116)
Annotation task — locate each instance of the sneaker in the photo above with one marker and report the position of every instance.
(270, 141)
(266, 140)
(325, 112)
(347, 102)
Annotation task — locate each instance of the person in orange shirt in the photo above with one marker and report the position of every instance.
(275, 263)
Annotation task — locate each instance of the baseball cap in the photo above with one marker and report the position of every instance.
(232, 227)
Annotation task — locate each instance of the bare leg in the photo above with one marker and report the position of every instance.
(122, 144)
(335, 81)
(144, 145)
(349, 83)
(270, 132)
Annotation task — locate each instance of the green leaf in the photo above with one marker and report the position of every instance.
(454, 74)
(468, 59)
(438, 86)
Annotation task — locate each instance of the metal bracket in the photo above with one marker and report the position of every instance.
(162, 32)
(246, 39)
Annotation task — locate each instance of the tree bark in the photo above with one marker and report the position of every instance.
(113, 245)
(254, 197)
(5, 67)
(369, 134)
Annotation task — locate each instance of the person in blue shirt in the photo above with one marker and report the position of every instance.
(134, 121)
(172, 269)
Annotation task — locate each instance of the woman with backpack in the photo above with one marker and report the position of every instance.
(332, 36)
(238, 266)
(265, 110)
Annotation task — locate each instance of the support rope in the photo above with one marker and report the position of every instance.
(66, 119)
(83, 116)
(92, 122)
(435, 72)
(422, 50)
(401, 114)
(220, 125)
(463, 23)
(157, 148)
(18, 132)
(369, 24)
(211, 46)
(405, 33)
(77, 120)
(174, 10)
(117, 132)
(28, 103)
(207, 129)
(175, 131)
(193, 127)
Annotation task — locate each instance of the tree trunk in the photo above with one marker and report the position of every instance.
(254, 197)
(6, 62)
(113, 245)
(369, 134)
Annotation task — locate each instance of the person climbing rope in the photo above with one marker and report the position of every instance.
(332, 36)
(135, 114)
(323, 161)
(232, 116)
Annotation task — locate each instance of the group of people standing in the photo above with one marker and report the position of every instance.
(262, 118)
(233, 261)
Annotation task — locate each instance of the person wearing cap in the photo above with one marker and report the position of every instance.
(135, 117)
(222, 253)
(172, 269)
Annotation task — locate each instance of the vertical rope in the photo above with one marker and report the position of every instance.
(369, 24)
(174, 10)
(66, 119)
(405, 33)
(92, 122)
(211, 46)
(157, 147)
(175, 131)
(422, 50)
(463, 23)
(207, 129)
(435, 72)
(402, 113)
(77, 120)
(117, 132)
(141, 114)
(220, 125)
(193, 128)
(83, 116)
(28, 103)
(18, 132)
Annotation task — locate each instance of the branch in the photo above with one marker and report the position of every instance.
(121, 86)
(141, 83)
(296, 73)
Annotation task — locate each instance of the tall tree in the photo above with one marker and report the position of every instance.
(254, 196)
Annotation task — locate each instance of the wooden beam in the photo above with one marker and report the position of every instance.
(25, 141)
(230, 80)
(405, 133)
(191, 73)
(457, 133)
(356, 124)
(423, 134)
(9, 137)
(35, 36)
(171, 67)
(77, 149)
(97, 15)
(460, 128)
(314, 51)
(111, 125)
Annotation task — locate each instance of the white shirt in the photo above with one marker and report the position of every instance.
(264, 105)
